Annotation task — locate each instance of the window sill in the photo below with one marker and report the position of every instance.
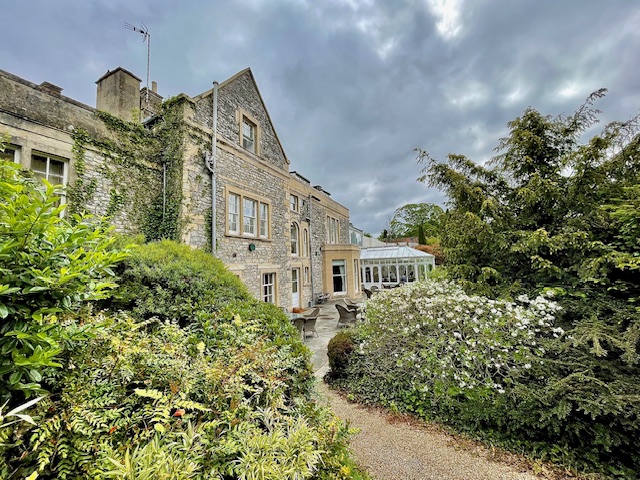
(245, 236)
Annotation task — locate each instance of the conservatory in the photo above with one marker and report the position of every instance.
(390, 266)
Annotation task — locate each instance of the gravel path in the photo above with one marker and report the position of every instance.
(402, 451)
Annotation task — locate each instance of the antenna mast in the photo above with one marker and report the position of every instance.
(142, 29)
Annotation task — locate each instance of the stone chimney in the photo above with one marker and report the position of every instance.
(119, 94)
(154, 104)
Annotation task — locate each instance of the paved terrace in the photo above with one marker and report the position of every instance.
(327, 327)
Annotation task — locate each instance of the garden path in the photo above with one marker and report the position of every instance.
(391, 448)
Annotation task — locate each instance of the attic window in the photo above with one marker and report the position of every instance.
(249, 134)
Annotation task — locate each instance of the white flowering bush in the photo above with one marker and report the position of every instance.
(449, 342)
(428, 345)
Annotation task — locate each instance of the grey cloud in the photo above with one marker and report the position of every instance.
(352, 86)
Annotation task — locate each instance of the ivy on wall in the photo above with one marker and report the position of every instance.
(134, 159)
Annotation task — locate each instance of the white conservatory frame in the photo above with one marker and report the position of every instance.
(391, 266)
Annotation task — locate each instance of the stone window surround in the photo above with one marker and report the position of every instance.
(13, 151)
(260, 200)
(243, 116)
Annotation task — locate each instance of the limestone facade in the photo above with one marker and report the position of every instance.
(285, 238)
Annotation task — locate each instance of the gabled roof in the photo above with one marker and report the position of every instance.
(264, 106)
(395, 251)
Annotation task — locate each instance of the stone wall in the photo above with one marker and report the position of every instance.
(259, 177)
(41, 120)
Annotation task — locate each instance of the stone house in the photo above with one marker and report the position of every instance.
(150, 167)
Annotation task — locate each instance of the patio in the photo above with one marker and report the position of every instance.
(326, 327)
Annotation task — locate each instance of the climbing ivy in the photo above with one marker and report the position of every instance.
(135, 156)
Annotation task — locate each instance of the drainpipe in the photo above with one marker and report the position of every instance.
(311, 252)
(210, 163)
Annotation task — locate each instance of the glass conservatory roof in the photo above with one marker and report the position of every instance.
(394, 251)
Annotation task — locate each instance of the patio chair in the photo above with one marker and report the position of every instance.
(368, 292)
(323, 297)
(310, 322)
(299, 324)
(347, 317)
(351, 305)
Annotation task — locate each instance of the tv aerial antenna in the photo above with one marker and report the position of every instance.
(142, 29)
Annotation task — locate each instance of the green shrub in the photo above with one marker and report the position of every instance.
(500, 371)
(49, 266)
(148, 398)
(172, 281)
(339, 350)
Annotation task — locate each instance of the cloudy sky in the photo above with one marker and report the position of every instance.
(353, 86)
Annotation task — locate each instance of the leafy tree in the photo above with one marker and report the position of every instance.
(49, 267)
(422, 240)
(407, 220)
(553, 212)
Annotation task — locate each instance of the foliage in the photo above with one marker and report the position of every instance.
(447, 343)
(173, 281)
(133, 154)
(554, 213)
(433, 249)
(408, 220)
(13, 416)
(487, 367)
(422, 239)
(50, 266)
(339, 350)
(153, 398)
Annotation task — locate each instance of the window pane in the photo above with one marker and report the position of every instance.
(294, 280)
(248, 135)
(339, 276)
(268, 282)
(264, 220)
(234, 201)
(39, 165)
(305, 242)
(249, 215)
(9, 155)
(56, 172)
(294, 239)
(56, 168)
